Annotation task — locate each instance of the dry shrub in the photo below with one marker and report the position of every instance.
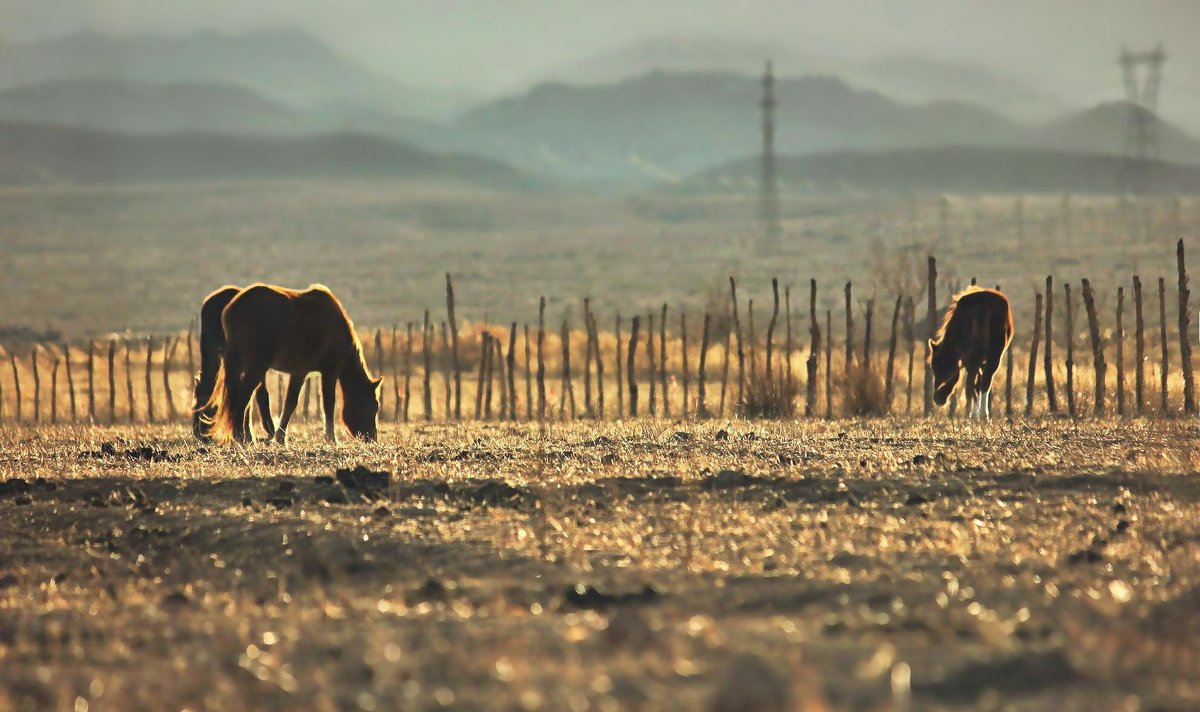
(863, 392)
(769, 397)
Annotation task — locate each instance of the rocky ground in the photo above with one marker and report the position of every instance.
(864, 565)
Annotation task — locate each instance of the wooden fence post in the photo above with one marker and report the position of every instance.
(630, 374)
(568, 385)
(741, 354)
(870, 318)
(454, 363)
(132, 415)
(1120, 335)
(528, 377)
(599, 365)
(620, 366)
(54, 391)
(408, 350)
(686, 368)
(511, 363)
(1162, 342)
(37, 385)
(788, 345)
(501, 376)
(1033, 354)
(427, 366)
(70, 382)
(447, 374)
(814, 334)
(1008, 379)
(589, 410)
(931, 328)
(1185, 333)
(12, 360)
(849, 362)
(1070, 315)
(663, 359)
(770, 370)
(494, 355)
(168, 356)
(910, 338)
(889, 387)
(91, 380)
(541, 363)
(394, 363)
(149, 380)
(1139, 348)
(1048, 358)
(701, 395)
(1099, 368)
(484, 349)
(653, 372)
(112, 381)
(829, 364)
(489, 367)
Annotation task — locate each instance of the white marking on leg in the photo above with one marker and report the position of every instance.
(987, 407)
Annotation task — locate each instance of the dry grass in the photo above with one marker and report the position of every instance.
(819, 565)
(94, 260)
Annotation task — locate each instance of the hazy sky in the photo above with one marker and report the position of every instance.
(1065, 46)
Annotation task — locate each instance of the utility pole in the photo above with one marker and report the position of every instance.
(769, 208)
(1141, 124)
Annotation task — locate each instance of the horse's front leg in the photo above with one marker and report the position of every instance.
(289, 406)
(329, 402)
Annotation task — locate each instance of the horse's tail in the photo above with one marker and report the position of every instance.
(217, 413)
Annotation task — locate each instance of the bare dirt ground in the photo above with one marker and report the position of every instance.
(866, 565)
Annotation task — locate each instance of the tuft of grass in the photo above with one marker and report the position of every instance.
(771, 396)
(863, 392)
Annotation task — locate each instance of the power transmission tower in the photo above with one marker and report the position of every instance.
(769, 189)
(1141, 124)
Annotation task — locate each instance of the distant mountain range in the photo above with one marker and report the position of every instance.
(665, 126)
(33, 153)
(146, 107)
(967, 169)
(911, 78)
(287, 66)
(653, 128)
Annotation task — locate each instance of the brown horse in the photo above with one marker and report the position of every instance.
(975, 332)
(296, 332)
(212, 345)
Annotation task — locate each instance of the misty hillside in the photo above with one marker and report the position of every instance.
(942, 169)
(662, 126)
(146, 107)
(921, 79)
(1103, 127)
(291, 67)
(35, 153)
(908, 77)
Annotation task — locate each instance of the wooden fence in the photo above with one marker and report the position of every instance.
(731, 368)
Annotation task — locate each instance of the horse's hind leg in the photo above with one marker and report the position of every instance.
(263, 399)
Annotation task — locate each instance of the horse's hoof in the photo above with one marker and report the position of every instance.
(280, 437)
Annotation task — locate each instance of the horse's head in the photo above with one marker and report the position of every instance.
(946, 367)
(360, 409)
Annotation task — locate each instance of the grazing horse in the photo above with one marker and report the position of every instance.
(296, 332)
(974, 335)
(212, 345)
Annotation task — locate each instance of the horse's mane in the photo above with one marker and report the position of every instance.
(354, 340)
(941, 332)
